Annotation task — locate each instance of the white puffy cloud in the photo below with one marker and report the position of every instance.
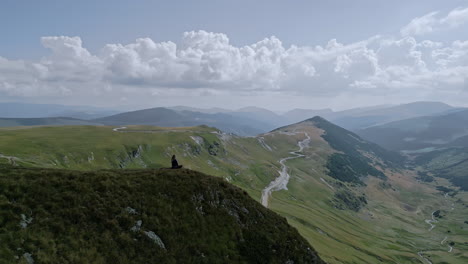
(456, 17)
(432, 22)
(207, 63)
(421, 25)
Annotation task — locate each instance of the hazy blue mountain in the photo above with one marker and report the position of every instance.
(247, 121)
(251, 112)
(438, 144)
(353, 120)
(46, 121)
(213, 110)
(297, 115)
(27, 110)
(240, 125)
(421, 133)
(359, 118)
(86, 114)
(261, 115)
(229, 122)
(154, 116)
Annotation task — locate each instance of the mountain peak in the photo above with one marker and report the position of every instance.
(317, 119)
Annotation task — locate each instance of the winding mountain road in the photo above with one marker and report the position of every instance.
(450, 248)
(127, 130)
(12, 160)
(118, 129)
(432, 226)
(281, 182)
(443, 241)
(430, 221)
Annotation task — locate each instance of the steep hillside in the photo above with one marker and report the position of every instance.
(351, 144)
(437, 144)
(354, 158)
(449, 163)
(139, 216)
(421, 133)
(377, 217)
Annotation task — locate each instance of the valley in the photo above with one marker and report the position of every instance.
(292, 170)
(281, 182)
(249, 132)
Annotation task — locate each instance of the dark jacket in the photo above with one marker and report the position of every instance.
(175, 164)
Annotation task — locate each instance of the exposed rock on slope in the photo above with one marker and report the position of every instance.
(182, 217)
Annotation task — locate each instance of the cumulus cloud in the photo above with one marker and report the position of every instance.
(207, 63)
(433, 22)
(421, 25)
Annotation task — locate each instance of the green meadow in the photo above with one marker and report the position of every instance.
(388, 225)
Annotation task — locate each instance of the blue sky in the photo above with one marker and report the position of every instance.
(42, 70)
(294, 22)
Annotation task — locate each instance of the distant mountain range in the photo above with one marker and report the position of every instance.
(326, 183)
(248, 121)
(419, 133)
(27, 110)
(438, 143)
(47, 121)
(366, 117)
(343, 193)
(230, 123)
(338, 190)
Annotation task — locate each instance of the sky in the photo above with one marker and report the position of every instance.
(274, 54)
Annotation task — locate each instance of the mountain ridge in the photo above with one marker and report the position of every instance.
(45, 121)
(249, 121)
(140, 216)
(344, 220)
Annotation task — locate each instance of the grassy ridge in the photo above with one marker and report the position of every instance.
(450, 163)
(75, 217)
(389, 228)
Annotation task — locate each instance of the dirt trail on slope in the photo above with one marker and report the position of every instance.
(127, 130)
(118, 128)
(420, 254)
(430, 222)
(450, 248)
(281, 182)
(12, 160)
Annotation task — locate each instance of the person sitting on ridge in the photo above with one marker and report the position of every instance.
(175, 164)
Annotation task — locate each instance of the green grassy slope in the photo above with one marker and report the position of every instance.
(381, 220)
(241, 160)
(390, 228)
(420, 133)
(449, 163)
(138, 216)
